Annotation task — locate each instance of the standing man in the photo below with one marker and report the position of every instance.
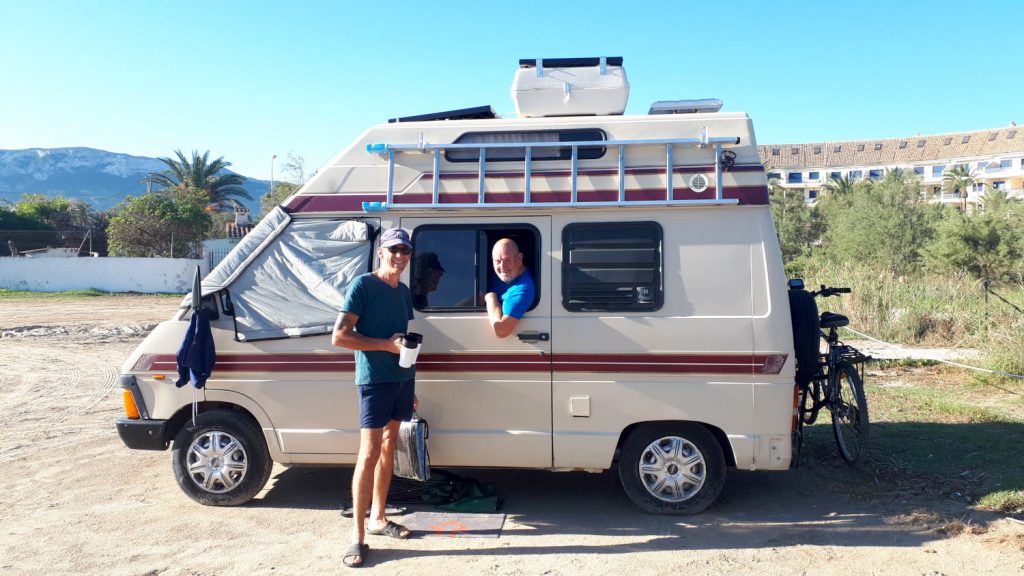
(511, 293)
(373, 319)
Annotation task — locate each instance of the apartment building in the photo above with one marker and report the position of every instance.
(996, 158)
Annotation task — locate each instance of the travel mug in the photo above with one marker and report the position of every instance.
(410, 349)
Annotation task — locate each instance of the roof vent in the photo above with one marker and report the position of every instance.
(686, 106)
(570, 87)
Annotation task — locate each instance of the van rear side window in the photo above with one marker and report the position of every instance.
(612, 267)
(519, 154)
(451, 265)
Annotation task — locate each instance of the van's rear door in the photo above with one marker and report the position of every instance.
(487, 399)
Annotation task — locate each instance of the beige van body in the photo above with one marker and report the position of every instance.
(571, 386)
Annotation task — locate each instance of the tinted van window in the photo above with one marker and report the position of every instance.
(612, 266)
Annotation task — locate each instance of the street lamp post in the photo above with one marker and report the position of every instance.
(272, 158)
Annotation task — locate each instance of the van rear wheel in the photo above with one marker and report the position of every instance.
(672, 468)
(222, 461)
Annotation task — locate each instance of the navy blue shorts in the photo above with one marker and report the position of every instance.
(383, 402)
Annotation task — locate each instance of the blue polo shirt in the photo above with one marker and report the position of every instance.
(516, 296)
(382, 311)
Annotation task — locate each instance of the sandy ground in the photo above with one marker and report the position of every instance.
(74, 500)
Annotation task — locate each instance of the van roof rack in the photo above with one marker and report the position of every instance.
(569, 62)
(389, 151)
(474, 113)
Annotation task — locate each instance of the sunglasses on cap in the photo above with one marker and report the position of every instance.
(400, 249)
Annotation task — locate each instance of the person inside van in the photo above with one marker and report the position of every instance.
(428, 273)
(373, 320)
(510, 294)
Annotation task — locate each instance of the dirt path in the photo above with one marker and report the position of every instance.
(74, 500)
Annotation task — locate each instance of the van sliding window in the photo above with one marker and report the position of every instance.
(451, 265)
(612, 267)
(519, 154)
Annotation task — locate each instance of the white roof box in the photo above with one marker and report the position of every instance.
(570, 87)
(686, 106)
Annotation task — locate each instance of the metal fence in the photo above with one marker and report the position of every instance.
(214, 256)
(85, 242)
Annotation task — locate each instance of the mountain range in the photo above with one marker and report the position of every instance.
(100, 178)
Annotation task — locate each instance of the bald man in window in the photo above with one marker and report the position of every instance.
(511, 292)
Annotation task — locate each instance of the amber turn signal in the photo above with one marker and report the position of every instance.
(130, 409)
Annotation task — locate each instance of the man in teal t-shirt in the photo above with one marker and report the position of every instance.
(509, 295)
(373, 320)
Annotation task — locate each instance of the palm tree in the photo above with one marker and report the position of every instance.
(202, 174)
(841, 186)
(960, 179)
(774, 180)
(995, 200)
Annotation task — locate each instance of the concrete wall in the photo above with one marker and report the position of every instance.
(146, 275)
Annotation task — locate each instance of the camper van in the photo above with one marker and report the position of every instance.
(659, 342)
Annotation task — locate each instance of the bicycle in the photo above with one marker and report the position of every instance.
(833, 379)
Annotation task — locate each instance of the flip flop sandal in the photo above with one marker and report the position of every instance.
(391, 529)
(355, 551)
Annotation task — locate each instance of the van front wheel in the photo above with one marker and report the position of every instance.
(672, 468)
(222, 461)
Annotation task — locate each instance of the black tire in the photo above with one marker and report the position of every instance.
(803, 313)
(223, 461)
(686, 456)
(850, 414)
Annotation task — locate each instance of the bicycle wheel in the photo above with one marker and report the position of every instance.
(810, 402)
(849, 409)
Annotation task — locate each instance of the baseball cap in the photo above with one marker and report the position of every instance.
(394, 237)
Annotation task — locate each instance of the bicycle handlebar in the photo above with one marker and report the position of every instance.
(827, 291)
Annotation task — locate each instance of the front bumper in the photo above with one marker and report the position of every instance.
(143, 434)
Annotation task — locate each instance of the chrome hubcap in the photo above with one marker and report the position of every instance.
(216, 462)
(672, 469)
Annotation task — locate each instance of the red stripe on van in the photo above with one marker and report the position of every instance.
(751, 195)
(498, 363)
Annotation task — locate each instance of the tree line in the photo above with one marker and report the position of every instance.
(190, 201)
(889, 224)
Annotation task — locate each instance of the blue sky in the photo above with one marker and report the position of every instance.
(247, 80)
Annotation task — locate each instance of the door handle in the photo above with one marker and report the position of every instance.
(533, 337)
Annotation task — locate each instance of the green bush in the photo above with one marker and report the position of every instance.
(926, 309)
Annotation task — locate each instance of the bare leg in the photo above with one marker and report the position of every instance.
(370, 440)
(383, 473)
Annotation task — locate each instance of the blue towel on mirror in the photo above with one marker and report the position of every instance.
(197, 355)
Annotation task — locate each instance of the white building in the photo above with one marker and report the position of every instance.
(995, 157)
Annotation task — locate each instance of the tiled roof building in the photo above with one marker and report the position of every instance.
(996, 156)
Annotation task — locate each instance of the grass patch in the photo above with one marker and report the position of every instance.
(6, 294)
(942, 431)
(1007, 501)
(888, 363)
(937, 433)
(23, 294)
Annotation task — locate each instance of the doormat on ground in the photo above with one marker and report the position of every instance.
(454, 524)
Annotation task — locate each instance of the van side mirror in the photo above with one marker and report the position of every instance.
(210, 303)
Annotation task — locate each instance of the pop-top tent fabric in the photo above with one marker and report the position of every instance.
(288, 277)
